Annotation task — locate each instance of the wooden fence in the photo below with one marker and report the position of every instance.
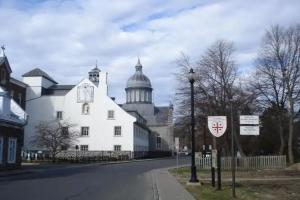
(245, 163)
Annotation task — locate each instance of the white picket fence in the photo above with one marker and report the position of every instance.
(244, 163)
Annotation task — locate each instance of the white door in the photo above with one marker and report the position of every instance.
(1, 149)
(12, 150)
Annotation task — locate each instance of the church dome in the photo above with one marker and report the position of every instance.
(138, 79)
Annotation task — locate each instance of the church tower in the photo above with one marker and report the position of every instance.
(138, 88)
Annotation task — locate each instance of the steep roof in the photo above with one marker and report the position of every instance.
(4, 60)
(38, 72)
(17, 82)
(57, 90)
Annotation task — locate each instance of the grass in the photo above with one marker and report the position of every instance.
(207, 192)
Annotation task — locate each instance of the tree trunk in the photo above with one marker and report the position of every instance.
(291, 128)
(290, 141)
(238, 145)
(282, 142)
(53, 157)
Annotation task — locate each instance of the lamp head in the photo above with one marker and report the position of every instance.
(191, 75)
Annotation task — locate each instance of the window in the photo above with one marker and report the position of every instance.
(84, 147)
(117, 147)
(111, 114)
(59, 115)
(65, 131)
(20, 98)
(12, 93)
(146, 96)
(64, 147)
(85, 109)
(118, 131)
(84, 131)
(158, 142)
(1, 149)
(3, 76)
(12, 150)
(137, 95)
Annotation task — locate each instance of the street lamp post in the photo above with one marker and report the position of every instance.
(191, 77)
(232, 150)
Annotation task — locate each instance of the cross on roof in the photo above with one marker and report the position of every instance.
(3, 50)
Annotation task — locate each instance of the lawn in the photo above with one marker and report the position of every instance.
(245, 190)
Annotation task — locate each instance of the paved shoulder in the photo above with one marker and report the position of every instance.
(167, 187)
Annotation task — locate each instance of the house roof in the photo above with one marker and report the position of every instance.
(57, 90)
(38, 72)
(17, 82)
(4, 60)
(61, 87)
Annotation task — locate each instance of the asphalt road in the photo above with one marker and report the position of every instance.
(127, 181)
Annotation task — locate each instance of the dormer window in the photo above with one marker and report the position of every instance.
(3, 76)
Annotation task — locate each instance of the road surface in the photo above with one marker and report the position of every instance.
(127, 181)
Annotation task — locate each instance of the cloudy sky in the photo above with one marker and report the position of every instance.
(66, 37)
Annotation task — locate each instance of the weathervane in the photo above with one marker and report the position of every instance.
(3, 50)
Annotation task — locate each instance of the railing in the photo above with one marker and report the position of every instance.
(244, 163)
(10, 110)
(93, 156)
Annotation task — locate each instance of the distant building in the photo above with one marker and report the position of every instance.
(159, 119)
(103, 125)
(12, 116)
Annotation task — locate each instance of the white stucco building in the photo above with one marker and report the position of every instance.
(103, 125)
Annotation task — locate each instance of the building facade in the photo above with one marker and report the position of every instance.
(159, 119)
(12, 117)
(102, 124)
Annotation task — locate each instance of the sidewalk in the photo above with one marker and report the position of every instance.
(166, 187)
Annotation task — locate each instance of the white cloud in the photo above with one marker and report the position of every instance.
(66, 37)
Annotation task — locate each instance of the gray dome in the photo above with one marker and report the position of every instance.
(138, 79)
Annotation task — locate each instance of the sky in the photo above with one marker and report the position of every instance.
(66, 37)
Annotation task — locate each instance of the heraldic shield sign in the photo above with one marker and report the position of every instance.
(217, 125)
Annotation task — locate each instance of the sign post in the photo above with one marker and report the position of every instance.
(213, 166)
(217, 126)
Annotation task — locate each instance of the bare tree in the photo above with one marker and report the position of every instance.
(55, 136)
(215, 85)
(278, 73)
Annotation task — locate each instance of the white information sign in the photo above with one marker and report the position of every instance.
(249, 130)
(217, 125)
(249, 119)
(177, 143)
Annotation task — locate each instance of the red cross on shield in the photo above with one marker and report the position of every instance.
(217, 125)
